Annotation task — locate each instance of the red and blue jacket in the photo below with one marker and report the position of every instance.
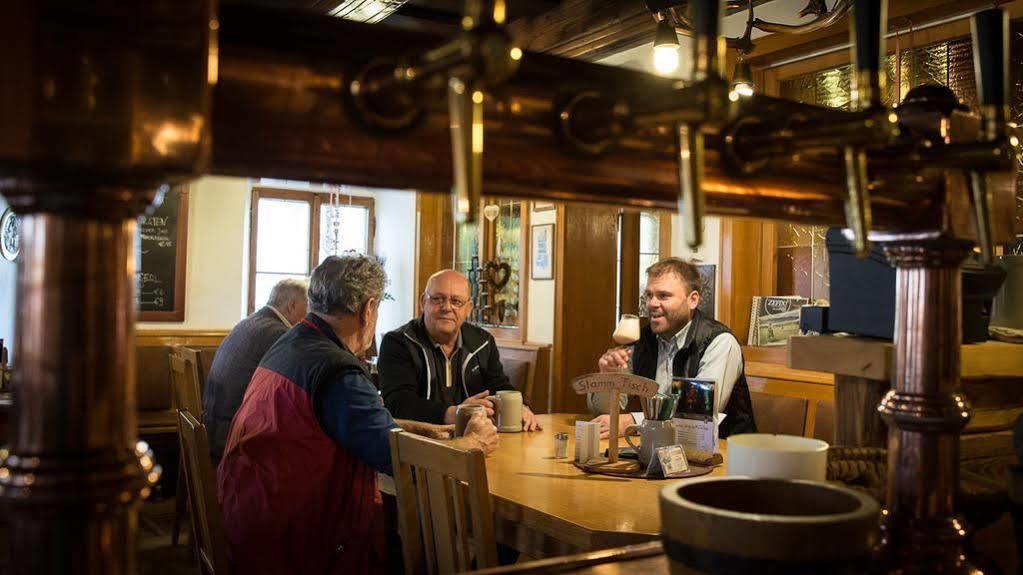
(297, 483)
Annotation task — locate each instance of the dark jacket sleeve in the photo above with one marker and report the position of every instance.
(399, 383)
(350, 412)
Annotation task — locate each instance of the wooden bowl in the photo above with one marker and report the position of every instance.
(766, 526)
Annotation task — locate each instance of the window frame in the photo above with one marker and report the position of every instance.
(316, 200)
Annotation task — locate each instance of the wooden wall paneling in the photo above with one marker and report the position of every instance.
(435, 238)
(747, 270)
(583, 296)
(628, 294)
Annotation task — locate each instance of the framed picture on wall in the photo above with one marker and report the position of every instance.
(543, 206)
(542, 250)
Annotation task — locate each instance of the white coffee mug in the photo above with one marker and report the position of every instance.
(509, 410)
(768, 455)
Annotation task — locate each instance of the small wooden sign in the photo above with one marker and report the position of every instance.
(614, 384)
(622, 382)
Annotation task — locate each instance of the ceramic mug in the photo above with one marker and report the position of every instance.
(653, 434)
(508, 404)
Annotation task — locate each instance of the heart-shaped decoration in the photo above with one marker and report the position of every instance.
(498, 274)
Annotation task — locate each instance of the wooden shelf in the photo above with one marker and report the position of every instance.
(875, 359)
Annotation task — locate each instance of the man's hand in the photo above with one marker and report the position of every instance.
(615, 359)
(529, 422)
(481, 432)
(624, 420)
(478, 399)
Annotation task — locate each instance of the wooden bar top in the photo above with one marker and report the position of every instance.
(875, 358)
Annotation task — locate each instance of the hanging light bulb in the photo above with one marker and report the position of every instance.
(742, 79)
(665, 48)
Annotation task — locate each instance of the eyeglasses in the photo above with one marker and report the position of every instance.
(440, 300)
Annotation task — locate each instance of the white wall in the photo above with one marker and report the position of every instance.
(215, 280)
(540, 294)
(396, 242)
(216, 293)
(8, 287)
(708, 253)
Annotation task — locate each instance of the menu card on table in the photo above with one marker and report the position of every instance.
(696, 421)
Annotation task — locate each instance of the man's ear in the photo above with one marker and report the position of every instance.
(366, 313)
(694, 300)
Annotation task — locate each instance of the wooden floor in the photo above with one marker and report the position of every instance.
(156, 556)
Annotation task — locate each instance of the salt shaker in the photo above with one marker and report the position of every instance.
(560, 445)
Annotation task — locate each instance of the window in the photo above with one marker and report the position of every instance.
(653, 243)
(503, 230)
(286, 241)
(802, 256)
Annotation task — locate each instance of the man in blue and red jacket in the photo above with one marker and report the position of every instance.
(297, 484)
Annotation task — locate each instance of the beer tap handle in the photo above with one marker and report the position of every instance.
(690, 176)
(857, 203)
(708, 43)
(465, 107)
(870, 18)
(991, 62)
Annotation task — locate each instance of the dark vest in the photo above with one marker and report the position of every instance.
(687, 363)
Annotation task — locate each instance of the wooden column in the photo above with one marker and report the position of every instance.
(857, 423)
(628, 286)
(584, 297)
(926, 412)
(435, 245)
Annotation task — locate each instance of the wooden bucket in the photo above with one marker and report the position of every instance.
(727, 525)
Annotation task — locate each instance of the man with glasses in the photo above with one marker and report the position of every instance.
(680, 341)
(434, 363)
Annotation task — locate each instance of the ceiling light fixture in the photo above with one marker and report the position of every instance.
(742, 79)
(665, 48)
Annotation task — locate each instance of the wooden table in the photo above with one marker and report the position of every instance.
(545, 506)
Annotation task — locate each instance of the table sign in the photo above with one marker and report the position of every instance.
(613, 384)
(670, 462)
(696, 419)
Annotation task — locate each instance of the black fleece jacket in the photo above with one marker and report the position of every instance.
(412, 377)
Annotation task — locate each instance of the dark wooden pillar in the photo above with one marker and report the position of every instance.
(925, 412)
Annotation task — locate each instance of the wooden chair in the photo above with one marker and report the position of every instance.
(185, 394)
(778, 413)
(444, 513)
(211, 546)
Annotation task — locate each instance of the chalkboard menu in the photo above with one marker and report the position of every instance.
(160, 262)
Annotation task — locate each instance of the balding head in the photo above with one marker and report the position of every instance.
(447, 278)
(446, 305)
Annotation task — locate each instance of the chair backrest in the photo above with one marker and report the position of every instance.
(520, 374)
(824, 421)
(778, 413)
(207, 528)
(444, 514)
(184, 367)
